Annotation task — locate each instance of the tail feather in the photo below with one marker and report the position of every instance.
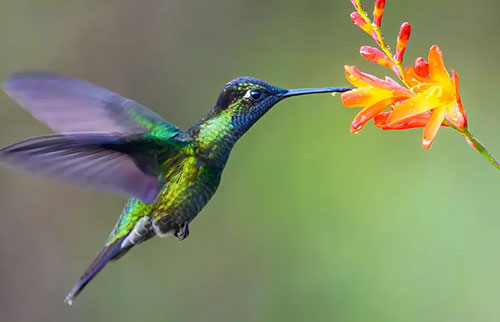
(106, 254)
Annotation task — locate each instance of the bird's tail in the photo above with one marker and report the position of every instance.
(107, 253)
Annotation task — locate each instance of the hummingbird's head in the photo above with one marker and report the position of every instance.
(246, 99)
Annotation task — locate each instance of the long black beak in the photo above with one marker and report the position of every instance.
(307, 91)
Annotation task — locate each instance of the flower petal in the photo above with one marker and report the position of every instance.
(437, 69)
(352, 78)
(356, 77)
(432, 127)
(462, 115)
(419, 120)
(360, 79)
(412, 78)
(413, 106)
(453, 115)
(364, 96)
(368, 113)
(408, 123)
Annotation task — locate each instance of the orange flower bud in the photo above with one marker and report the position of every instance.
(374, 55)
(421, 67)
(403, 37)
(378, 12)
(359, 21)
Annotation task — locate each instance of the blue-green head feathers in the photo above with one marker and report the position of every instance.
(246, 99)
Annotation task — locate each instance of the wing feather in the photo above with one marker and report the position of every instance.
(68, 104)
(97, 160)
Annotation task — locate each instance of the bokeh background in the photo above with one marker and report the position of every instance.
(310, 223)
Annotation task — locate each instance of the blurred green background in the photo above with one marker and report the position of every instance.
(310, 223)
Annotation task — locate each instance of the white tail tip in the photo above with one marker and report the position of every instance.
(69, 299)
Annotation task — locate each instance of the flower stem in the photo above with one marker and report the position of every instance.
(481, 148)
(381, 42)
(476, 144)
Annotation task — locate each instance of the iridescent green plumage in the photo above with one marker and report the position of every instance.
(114, 143)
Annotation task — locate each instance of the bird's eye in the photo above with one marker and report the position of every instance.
(253, 94)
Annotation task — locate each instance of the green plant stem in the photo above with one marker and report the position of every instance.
(477, 145)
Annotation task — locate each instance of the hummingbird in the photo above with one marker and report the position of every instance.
(109, 142)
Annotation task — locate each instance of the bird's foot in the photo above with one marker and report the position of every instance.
(183, 231)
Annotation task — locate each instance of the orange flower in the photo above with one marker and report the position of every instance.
(436, 99)
(372, 93)
(429, 99)
(432, 96)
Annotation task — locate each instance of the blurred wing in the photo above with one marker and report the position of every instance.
(71, 105)
(99, 160)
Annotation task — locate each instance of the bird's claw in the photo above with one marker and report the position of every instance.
(183, 231)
